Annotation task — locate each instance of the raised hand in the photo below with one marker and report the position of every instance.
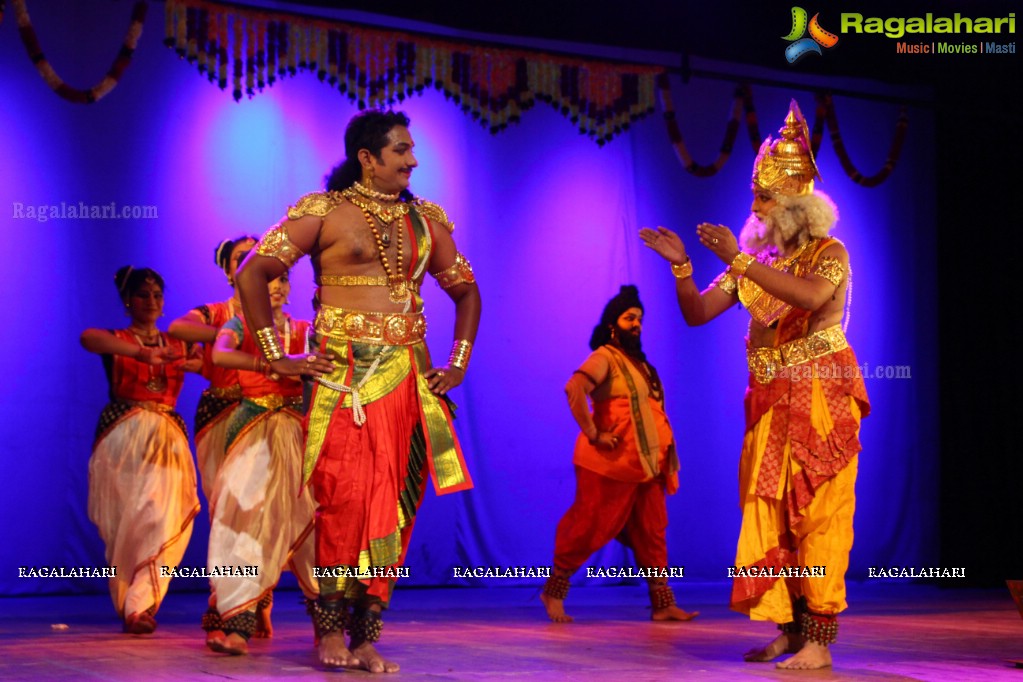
(666, 243)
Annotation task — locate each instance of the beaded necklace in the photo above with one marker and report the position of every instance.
(373, 194)
(396, 281)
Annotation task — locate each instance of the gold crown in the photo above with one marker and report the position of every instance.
(787, 166)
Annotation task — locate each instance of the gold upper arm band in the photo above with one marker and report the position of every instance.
(459, 273)
(831, 269)
(275, 244)
(726, 282)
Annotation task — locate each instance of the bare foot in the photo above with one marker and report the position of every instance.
(812, 656)
(672, 613)
(215, 640)
(555, 609)
(264, 628)
(785, 643)
(371, 660)
(334, 653)
(236, 645)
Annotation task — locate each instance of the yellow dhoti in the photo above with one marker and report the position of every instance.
(811, 545)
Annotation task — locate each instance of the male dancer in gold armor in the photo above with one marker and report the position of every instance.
(804, 402)
(379, 418)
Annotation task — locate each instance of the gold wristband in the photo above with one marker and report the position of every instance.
(684, 270)
(460, 353)
(269, 343)
(740, 264)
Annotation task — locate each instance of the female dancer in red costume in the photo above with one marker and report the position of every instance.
(262, 517)
(142, 490)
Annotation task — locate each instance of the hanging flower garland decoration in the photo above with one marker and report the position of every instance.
(826, 110)
(824, 115)
(113, 75)
(743, 104)
(376, 67)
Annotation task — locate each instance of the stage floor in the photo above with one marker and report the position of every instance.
(892, 632)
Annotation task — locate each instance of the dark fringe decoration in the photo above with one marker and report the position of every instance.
(378, 67)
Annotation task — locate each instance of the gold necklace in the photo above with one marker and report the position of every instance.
(386, 214)
(157, 382)
(396, 282)
(373, 194)
(787, 262)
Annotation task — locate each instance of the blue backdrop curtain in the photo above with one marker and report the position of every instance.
(549, 221)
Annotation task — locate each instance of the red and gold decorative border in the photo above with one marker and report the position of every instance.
(376, 67)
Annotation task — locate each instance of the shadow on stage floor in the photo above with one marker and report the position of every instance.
(891, 632)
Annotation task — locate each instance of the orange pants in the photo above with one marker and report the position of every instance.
(603, 509)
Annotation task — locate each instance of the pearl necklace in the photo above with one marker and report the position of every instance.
(373, 194)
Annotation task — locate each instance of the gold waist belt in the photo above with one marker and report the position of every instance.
(148, 405)
(361, 281)
(226, 392)
(766, 364)
(384, 329)
(275, 401)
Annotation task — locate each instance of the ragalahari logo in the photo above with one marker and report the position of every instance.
(801, 46)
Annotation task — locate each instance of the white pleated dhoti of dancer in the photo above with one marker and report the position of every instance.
(143, 499)
(262, 517)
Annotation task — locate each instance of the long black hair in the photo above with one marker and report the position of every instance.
(366, 130)
(628, 297)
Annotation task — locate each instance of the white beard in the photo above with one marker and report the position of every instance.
(792, 222)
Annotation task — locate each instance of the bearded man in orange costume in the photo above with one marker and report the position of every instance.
(805, 399)
(625, 461)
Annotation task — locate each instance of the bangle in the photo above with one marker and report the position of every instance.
(460, 353)
(682, 270)
(740, 264)
(269, 344)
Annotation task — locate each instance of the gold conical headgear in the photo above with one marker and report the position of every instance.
(786, 165)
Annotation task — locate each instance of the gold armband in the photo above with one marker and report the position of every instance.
(275, 244)
(269, 343)
(460, 353)
(726, 283)
(831, 269)
(459, 273)
(740, 264)
(684, 270)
